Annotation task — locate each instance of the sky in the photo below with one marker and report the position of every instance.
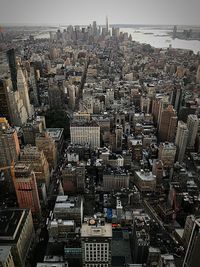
(82, 12)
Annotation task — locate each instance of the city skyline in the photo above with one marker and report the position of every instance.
(67, 12)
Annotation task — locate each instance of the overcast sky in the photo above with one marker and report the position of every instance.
(85, 11)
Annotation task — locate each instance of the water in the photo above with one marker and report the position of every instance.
(158, 38)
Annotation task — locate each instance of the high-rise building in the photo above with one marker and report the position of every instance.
(107, 25)
(16, 231)
(39, 163)
(23, 91)
(33, 84)
(13, 67)
(158, 170)
(141, 238)
(189, 223)
(26, 188)
(32, 128)
(167, 153)
(115, 179)
(96, 237)
(9, 144)
(12, 105)
(69, 208)
(73, 178)
(181, 140)
(19, 113)
(82, 132)
(56, 96)
(6, 259)
(192, 124)
(198, 75)
(176, 96)
(192, 253)
(4, 103)
(167, 124)
(118, 137)
(46, 143)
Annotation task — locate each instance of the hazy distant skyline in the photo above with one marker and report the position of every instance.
(82, 12)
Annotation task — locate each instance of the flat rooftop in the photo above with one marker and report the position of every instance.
(145, 176)
(4, 253)
(10, 221)
(96, 230)
(55, 133)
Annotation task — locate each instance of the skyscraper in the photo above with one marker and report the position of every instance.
(26, 188)
(4, 104)
(39, 163)
(181, 140)
(107, 25)
(167, 124)
(192, 253)
(167, 153)
(23, 91)
(13, 67)
(192, 124)
(44, 142)
(96, 236)
(9, 144)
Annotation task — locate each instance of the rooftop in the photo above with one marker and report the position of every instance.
(4, 253)
(55, 133)
(10, 221)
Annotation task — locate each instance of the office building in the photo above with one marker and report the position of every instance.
(26, 188)
(16, 231)
(4, 103)
(192, 253)
(118, 138)
(192, 125)
(167, 124)
(33, 127)
(115, 179)
(57, 134)
(158, 170)
(13, 67)
(141, 238)
(56, 96)
(46, 143)
(33, 86)
(83, 133)
(176, 97)
(6, 259)
(181, 140)
(167, 153)
(73, 178)
(189, 223)
(39, 163)
(145, 181)
(198, 74)
(69, 208)
(96, 236)
(12, 105)
(9, 144)
(24, 92)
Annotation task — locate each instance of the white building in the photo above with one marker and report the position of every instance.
(85, 133)
(181, 140)
(96, 236)
(192, 124)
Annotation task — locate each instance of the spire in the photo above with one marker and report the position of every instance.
(107, 26)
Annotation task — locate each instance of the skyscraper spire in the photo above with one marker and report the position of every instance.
(107, 26)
